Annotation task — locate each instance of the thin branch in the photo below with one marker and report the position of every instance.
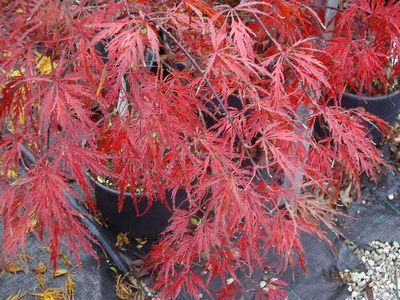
(48, 134)
(328, 7)
(51, 116)
(201, 116)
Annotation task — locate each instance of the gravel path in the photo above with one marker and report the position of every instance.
(382, 279)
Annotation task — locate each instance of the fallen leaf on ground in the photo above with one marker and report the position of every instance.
(65, 260)
(70, 285)
(49, 294)
(40, 268)
(122, 241)
(24, 257)
(345, 196)
(60, 272)
(125, 290)
(16, 297)
(13, 267)
(40, 280)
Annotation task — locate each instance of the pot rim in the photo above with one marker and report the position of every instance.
(371, 98)
(115, 192)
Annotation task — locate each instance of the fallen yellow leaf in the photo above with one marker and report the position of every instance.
(70, 285)
(13, 267)
(122, 241)
(49, 294)
(60, 272)
(65, 260)
(40, 280)
(24, 257)
(40, 268)
(16, 73)
(44, 64)
(16, 297)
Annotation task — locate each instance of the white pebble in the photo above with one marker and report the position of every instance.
(371, 262)
(354, 294)
(377, 257)
(361, 275)
(350, 288)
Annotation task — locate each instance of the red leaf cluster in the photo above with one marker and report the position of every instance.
(163, 88)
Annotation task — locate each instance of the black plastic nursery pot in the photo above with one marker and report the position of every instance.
(147, 226)
(386, 107)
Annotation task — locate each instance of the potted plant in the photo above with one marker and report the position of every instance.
(363, 63)
(249, 175)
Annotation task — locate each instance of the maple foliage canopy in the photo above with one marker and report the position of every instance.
(163, 88)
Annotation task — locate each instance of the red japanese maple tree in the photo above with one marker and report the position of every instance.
(252, 169)
(364, 48)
